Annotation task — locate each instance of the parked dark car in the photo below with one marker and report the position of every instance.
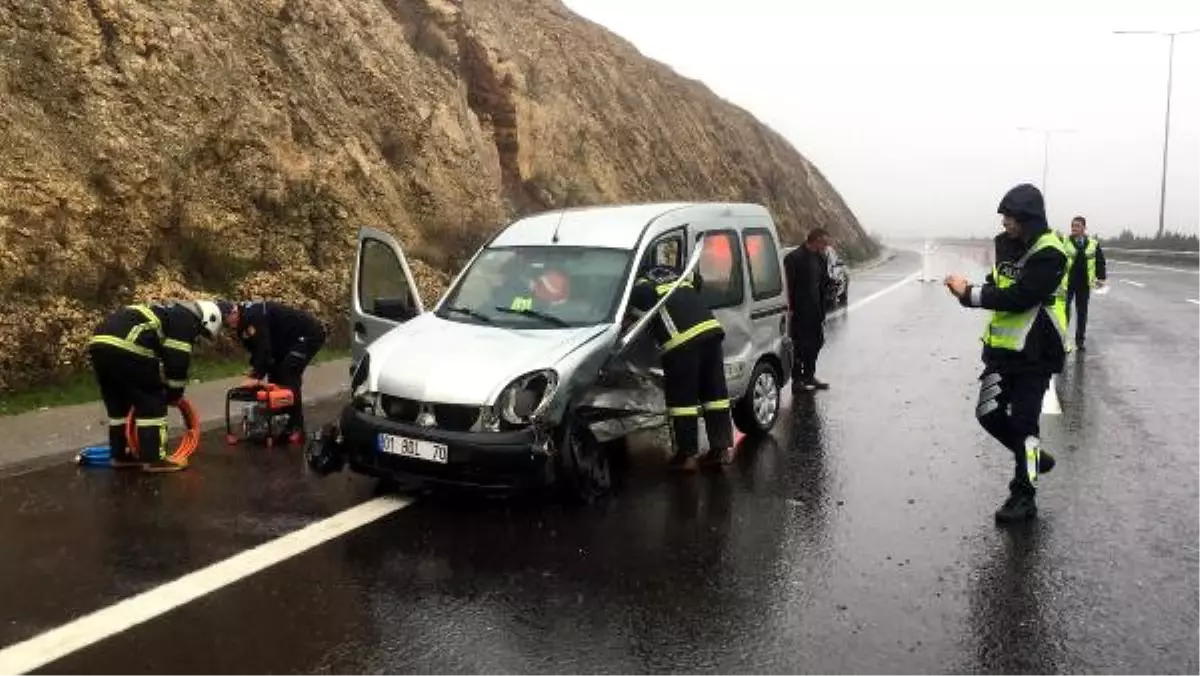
(839, 280)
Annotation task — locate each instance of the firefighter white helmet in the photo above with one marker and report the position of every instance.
(210, 318)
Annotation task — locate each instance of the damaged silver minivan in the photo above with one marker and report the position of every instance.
(521, 375)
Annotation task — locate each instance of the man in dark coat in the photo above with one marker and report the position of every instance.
(282, 341)
(807, 277)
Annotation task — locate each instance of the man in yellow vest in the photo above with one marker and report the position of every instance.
(1086, 270)
(1025, 341)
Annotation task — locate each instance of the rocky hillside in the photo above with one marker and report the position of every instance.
(175, 147)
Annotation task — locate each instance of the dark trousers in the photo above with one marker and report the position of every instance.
(1080, 295)
(808, 335)
(289, 372)
(1009, 408)
(694, 384)
(131, 382)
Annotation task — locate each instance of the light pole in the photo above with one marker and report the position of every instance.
(1046, 150)
(1162, 189)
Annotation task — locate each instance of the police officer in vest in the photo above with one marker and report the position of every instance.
(1025, 341)
(1087, 270)
(127, 351)
(690, 339)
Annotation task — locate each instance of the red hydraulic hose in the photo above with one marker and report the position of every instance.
(187, 444)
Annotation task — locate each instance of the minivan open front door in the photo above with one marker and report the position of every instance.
(384, 294)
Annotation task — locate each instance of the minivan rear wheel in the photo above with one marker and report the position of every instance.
(757, 411)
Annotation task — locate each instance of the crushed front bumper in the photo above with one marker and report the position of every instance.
(486, 460)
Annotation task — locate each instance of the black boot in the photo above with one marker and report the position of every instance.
(120, 457)
(1045, 462)
(683, 462)
(1021, 504)
(152, 442)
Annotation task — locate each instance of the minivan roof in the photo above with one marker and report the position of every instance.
(610, 227)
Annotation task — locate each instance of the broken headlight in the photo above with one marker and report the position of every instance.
(367, 402)
(526, 397)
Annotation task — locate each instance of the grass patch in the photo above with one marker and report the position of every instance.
(80, 387)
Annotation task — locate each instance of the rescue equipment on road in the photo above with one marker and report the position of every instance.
(101, 455)
(264, 416)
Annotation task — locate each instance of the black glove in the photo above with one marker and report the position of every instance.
(174, 394)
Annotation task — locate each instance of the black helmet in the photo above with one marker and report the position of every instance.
(661, 274)
(1024, 203)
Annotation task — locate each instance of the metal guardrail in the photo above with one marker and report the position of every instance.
(1186, 258)
(1152, 252)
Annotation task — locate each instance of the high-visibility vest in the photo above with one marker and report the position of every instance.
(1089, 251)
(1008, 330)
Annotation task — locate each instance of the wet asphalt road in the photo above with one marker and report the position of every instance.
(859, 538)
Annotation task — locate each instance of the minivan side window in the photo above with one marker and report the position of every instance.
(720, 269)
(766, 280)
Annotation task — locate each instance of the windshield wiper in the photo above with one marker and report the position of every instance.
(534, 313)
(471, 313)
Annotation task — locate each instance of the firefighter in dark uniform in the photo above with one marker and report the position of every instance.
(1025, 341)
(127, 351)
(282, 341)
(690, 339)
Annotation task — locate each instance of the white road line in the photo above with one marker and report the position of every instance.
(875, 296)
(1153, 267)
(1130, 282)
(1193, 301)
(101, 624)
(1050, 405)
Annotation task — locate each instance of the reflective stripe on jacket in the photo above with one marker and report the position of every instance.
(683, 318)
(162, 332)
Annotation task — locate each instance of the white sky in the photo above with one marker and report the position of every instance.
(913, 116)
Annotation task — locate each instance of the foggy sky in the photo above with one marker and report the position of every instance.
(913, 117)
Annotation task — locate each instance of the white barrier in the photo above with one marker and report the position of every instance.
(927, 273)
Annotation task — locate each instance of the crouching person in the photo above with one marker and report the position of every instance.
(282, 342)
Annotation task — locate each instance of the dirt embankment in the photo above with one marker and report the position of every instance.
(181, 148)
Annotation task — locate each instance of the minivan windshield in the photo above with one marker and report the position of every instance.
(539, 287)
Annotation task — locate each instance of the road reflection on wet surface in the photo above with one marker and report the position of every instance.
(859, 537)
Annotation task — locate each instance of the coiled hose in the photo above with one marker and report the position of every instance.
(187, 444)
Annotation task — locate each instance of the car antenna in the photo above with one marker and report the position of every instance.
(554, 237)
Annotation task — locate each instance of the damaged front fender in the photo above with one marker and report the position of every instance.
(625, 398)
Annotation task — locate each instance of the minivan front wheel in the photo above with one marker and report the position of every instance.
(757, 411)
(584, 468)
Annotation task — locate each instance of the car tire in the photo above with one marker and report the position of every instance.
(844, 298)
(756, 413)
(584, 468)
(322, 452)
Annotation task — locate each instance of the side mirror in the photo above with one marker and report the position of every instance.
(396, 309)
(640, 325)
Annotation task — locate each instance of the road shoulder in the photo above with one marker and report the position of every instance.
(38, 438)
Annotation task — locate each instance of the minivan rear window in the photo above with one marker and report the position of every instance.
(720, 269)
(766, 279)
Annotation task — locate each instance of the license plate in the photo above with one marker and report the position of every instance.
(414, 448)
